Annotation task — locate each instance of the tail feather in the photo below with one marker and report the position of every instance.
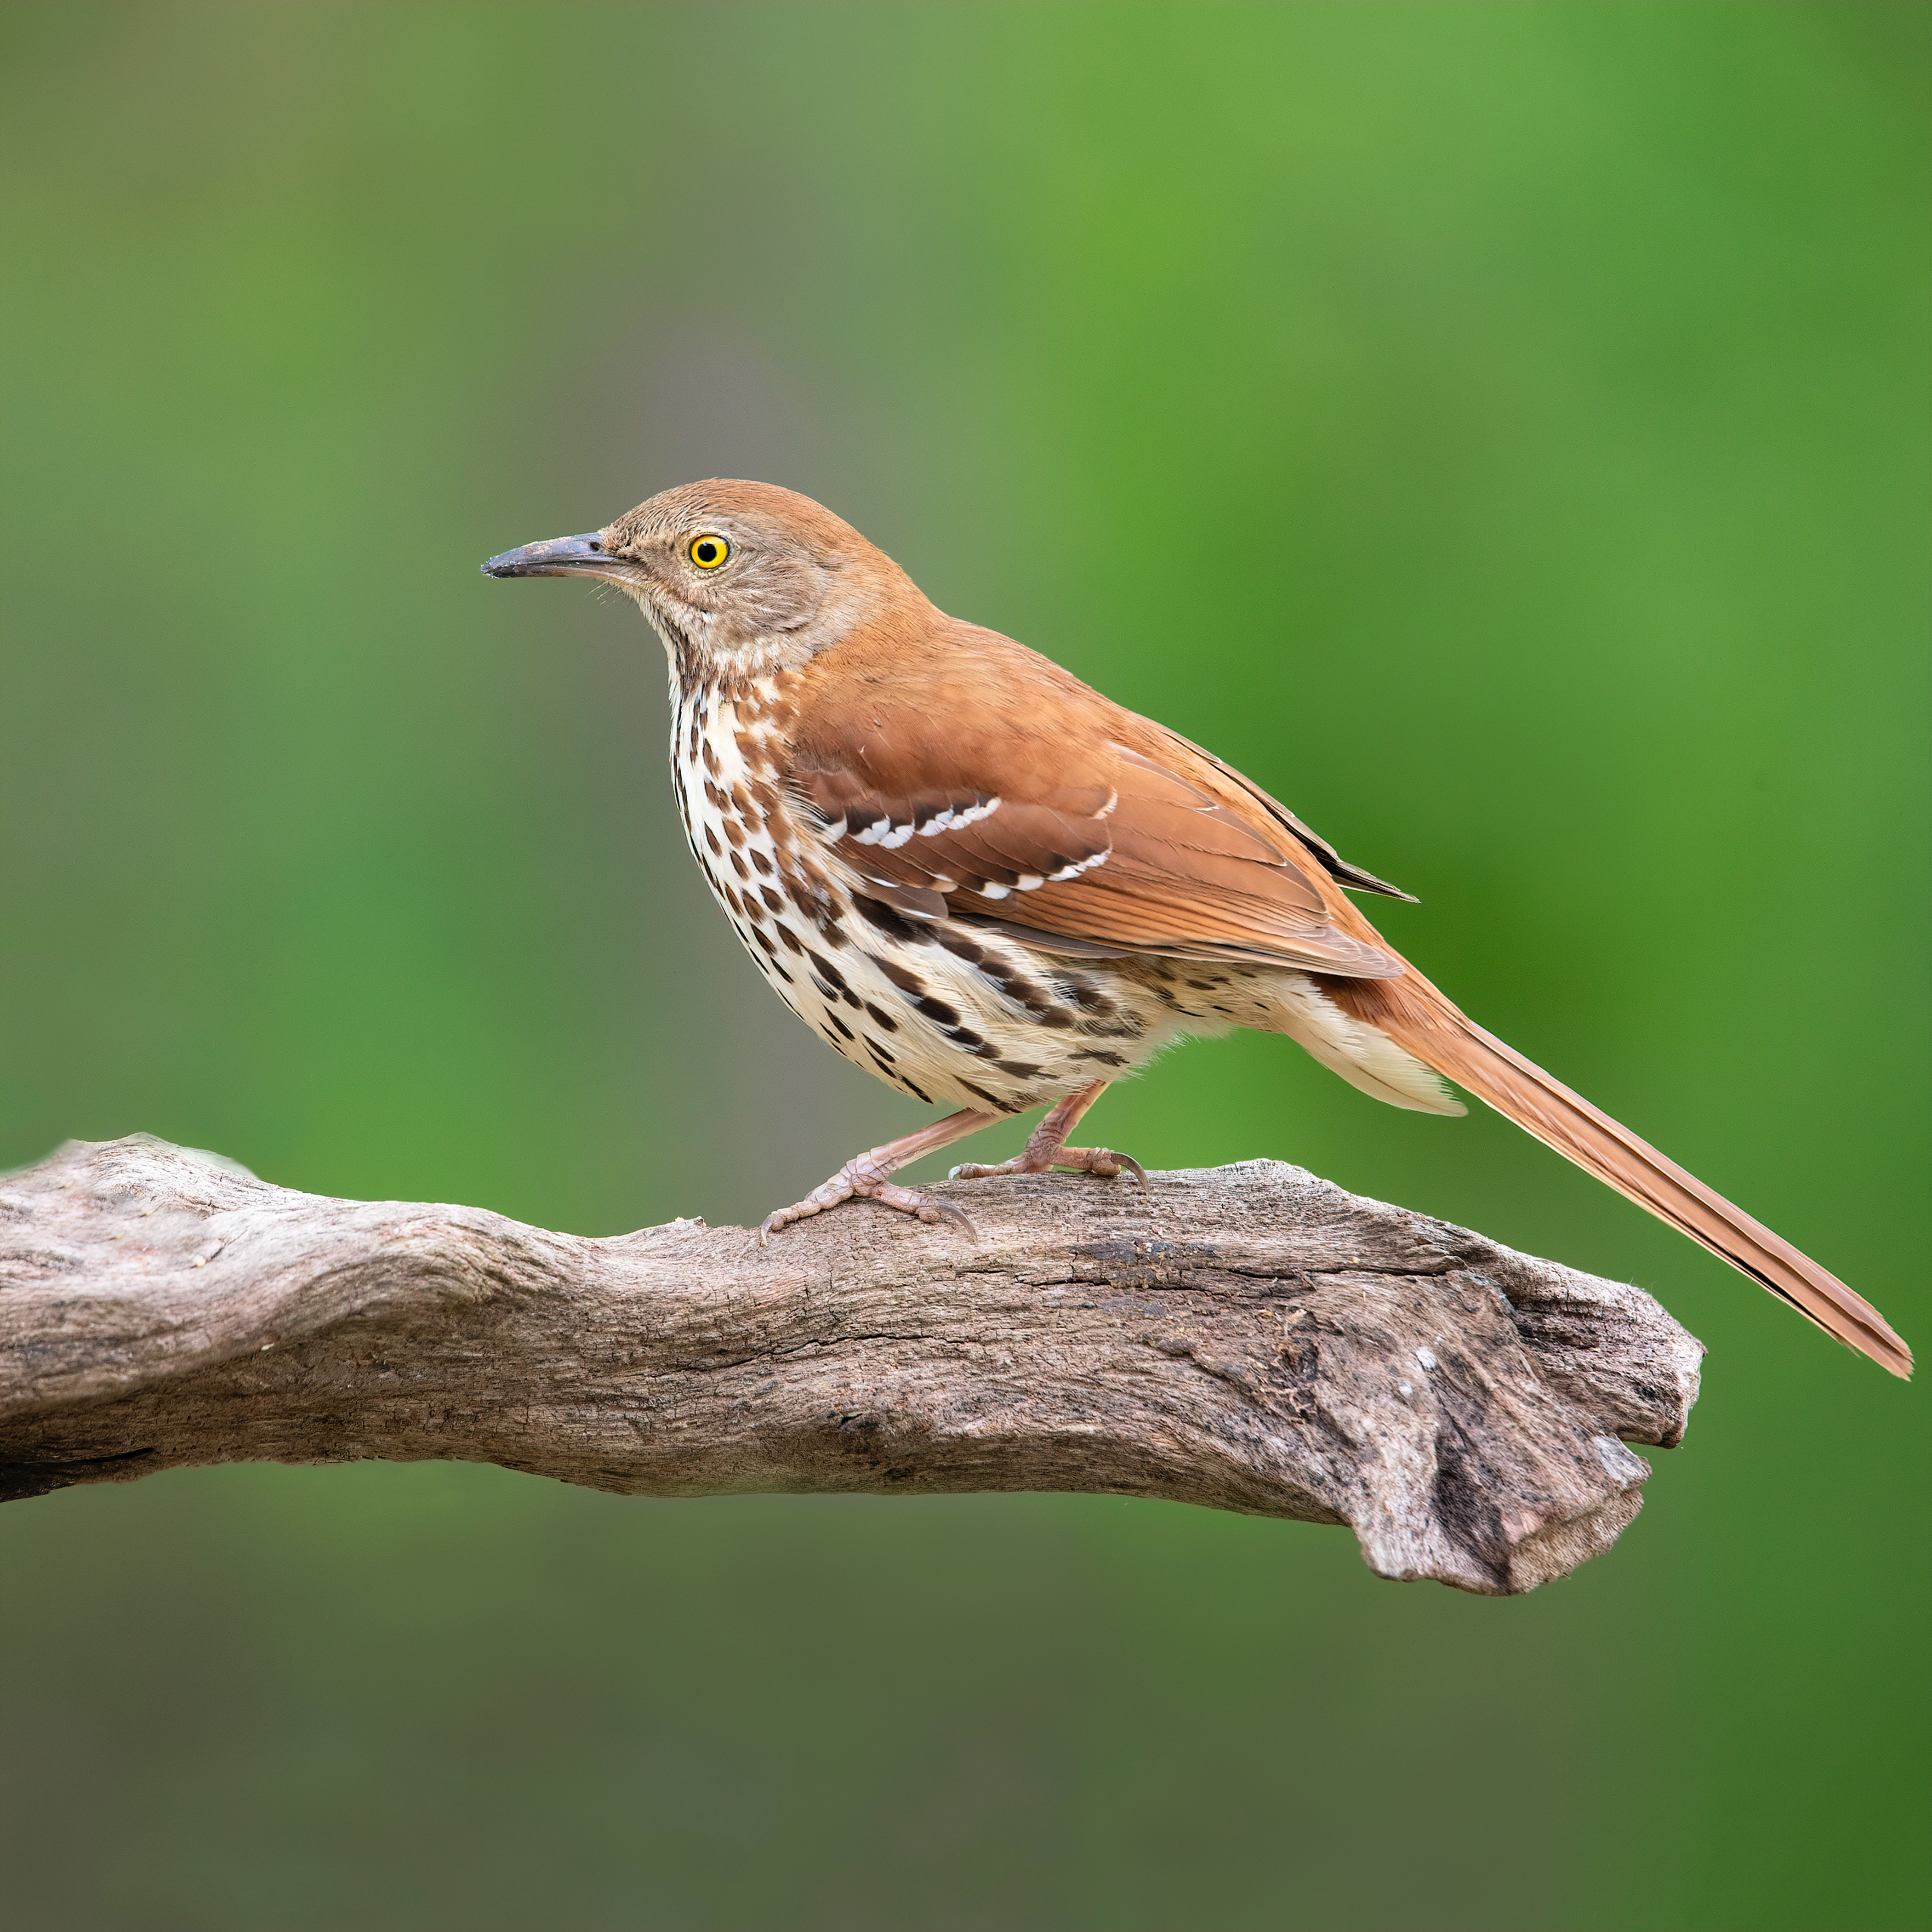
(1427, 1024)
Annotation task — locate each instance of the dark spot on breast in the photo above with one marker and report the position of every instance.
(888, 922)
(1021, 1069)
(711, 839)
(1204, 986)
(839, 1024)
(966, 1037)
(826, 970)
(710, 757)
(902, 977)
(992, 1100)
(877, 1051)
(791, 939)
(1037, 999)
(965, 948)
(1100, 1054)
(763, 864)
(738, 866)
(938, 1010)
(764, 939)
(772, 897)
(884, 1018)
(917, 1093)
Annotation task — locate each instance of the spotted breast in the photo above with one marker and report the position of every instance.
(973, 1016)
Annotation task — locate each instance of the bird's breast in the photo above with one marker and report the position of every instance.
(947, 1012)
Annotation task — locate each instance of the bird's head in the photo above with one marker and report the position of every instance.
(737, 578)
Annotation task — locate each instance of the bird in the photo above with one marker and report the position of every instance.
(993, 888)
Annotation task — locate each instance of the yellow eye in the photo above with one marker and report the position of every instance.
(708, 553)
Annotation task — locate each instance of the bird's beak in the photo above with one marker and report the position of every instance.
(584, 556)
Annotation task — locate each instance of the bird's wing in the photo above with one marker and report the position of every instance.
(1024, 800)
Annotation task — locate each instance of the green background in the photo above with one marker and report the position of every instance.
(1502, 430)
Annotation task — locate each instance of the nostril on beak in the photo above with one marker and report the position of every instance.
(559, 557)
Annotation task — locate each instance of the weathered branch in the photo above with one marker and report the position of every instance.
(1248, 1337)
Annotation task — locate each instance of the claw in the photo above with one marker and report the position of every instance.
(936, 1211)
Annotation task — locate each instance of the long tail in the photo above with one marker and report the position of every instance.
(1427, 1024)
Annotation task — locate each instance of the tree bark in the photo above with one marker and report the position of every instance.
(1248, 1338)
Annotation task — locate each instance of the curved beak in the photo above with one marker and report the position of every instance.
(559, 556)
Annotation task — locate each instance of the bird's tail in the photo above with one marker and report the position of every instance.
(1424, 1022)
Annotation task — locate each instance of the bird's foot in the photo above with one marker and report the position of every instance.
(862, 1179)
(1046, 1147)
(1105, 1162)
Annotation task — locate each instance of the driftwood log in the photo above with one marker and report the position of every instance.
(1249, 1338)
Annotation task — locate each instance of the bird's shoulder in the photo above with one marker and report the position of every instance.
(912, 702)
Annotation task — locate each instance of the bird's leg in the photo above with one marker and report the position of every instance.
(863, 1177)
(1046, 1147)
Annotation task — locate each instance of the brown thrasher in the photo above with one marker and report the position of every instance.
(986, 883)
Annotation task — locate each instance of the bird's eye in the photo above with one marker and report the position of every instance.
(708, 553)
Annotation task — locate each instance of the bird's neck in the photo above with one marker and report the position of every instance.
(697, 656)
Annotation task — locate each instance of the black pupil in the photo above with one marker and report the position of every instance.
(707, 553)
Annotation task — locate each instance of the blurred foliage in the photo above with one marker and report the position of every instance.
(1502, 430)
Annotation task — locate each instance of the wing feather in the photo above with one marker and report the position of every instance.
(1042, 818)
